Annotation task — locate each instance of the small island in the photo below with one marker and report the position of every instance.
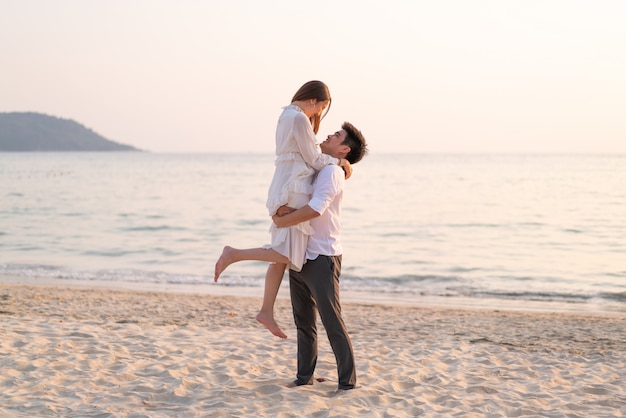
(29, 131)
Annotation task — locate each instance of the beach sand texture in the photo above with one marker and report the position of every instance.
(76, 352)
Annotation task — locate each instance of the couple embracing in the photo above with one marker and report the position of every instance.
(305, 201)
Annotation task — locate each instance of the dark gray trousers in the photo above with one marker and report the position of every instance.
(316, 288)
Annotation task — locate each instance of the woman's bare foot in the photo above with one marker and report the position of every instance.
(225, 260)
(270, 324)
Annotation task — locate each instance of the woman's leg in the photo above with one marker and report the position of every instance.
(273, 278)
(232, 255)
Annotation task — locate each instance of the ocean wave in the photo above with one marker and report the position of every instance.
(152, 228)
(407, 286)
(617, 297)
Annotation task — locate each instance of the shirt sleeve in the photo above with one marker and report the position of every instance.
(328, 185)
(305, 138)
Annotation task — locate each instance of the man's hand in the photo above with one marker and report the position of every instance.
(277, 221)
(284, 210)
(347, 167)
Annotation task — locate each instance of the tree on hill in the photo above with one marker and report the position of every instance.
(28, 131)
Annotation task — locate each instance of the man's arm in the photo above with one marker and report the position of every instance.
(303, 214)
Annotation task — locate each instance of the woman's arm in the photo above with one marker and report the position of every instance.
(305, 138)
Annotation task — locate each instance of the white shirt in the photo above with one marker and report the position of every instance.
(326, 200)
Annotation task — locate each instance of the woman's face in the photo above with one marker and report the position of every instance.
(320, 106)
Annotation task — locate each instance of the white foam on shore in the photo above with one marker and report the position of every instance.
(391, 299)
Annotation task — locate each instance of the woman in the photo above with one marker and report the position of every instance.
(298, 158)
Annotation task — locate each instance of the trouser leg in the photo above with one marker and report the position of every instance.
(322, 279)
(304, 315)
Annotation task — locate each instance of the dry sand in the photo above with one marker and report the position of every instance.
(75, 352)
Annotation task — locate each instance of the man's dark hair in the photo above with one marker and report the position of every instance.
(356, 142)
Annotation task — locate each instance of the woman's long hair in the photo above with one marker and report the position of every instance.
(314, 90)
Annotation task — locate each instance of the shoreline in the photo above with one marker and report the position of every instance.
(385, 299)
(76, 351)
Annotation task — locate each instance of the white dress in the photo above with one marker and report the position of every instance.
(298, 158)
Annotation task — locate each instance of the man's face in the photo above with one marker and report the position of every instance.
(332, 144)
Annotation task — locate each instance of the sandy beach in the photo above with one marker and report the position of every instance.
(77, 352)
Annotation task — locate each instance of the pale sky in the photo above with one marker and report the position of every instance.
(459, 76)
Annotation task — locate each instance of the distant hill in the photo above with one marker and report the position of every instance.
(28, 131)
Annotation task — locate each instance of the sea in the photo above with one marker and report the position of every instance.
(524, 232)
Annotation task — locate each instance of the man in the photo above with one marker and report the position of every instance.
(316, 286)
